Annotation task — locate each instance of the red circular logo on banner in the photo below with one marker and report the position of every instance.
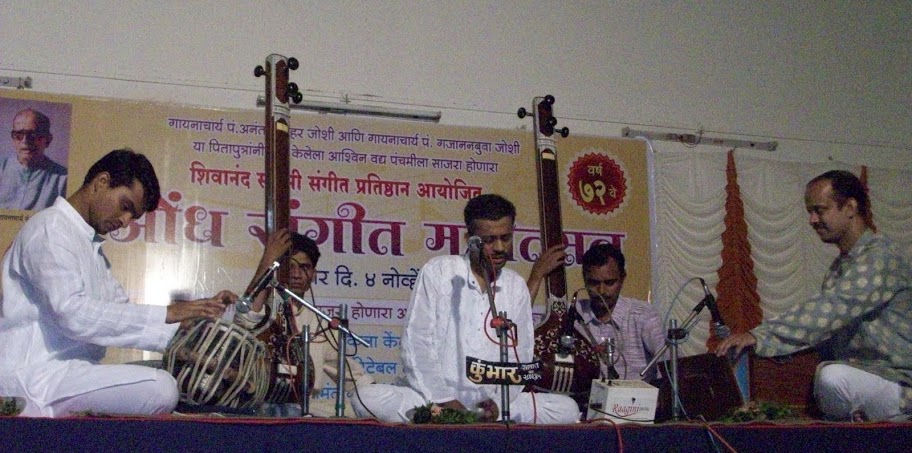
(597, 183)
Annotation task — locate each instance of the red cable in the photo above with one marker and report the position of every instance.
(719, 436)
(617, 429)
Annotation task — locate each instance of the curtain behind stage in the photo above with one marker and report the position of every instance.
(789, 259)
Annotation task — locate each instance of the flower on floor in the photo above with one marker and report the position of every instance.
(434, 414)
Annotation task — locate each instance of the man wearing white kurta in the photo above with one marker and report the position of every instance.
(449, 319)
(61, 306)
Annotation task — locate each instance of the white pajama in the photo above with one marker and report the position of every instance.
(842, 390)
(448, 320)
(60, 309)
(395, 404)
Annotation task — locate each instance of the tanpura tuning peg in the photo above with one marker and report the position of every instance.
(292, 88)
(549, 99)
(259, 71)
(297, 97)
(522, 112)
(293, 63)
(564, 132)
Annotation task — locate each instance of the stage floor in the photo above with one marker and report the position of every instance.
(180, 433)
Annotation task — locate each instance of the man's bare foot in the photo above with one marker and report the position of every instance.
(859, 416)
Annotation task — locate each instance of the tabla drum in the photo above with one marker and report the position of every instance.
(219, 363)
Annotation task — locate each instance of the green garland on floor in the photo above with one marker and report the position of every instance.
(759, 411)
(9, 406)
(433, 414)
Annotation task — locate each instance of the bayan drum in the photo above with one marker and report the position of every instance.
(218, 363)
(285, 370)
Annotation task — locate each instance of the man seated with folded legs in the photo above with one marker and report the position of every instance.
(449, 319)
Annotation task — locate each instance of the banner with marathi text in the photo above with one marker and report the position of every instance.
(380, 197)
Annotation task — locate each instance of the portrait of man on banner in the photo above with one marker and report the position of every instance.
(34, 155)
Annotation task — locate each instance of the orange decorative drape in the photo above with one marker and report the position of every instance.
(869, 220)
(739, 303)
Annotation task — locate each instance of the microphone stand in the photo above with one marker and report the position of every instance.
(304, 361)
(675, 337)
(342, 326)
(340, 377)
(502, 326)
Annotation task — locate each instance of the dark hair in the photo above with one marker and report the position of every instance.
(125, 166)
(42, 122)
(845, 186)
(301, 243)
(599, 254)
(487, 207)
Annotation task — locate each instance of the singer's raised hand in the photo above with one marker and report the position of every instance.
(738, 341)
(212, 307)
(277, 245)
(545, 264)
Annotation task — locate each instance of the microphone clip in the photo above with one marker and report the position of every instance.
(245, 302)
(718, 324)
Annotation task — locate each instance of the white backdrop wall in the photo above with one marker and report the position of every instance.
(832, 76)
(829, 80)
(789, 258)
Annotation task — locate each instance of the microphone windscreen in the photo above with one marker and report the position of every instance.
(474, 244)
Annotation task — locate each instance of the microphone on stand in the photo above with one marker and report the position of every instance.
(475, 245)
(718, 325)
(246, 301)
(566, 339)
(476, 257)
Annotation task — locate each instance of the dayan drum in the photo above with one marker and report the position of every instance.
(218, 363)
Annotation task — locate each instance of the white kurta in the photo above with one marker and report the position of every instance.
(61, 307)
(448, 319)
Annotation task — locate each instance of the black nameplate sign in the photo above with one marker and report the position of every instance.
(484, 372)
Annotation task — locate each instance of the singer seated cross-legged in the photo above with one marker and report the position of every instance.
(449, 318)
(61, 306)
(860, 320)
(303, 257)
(632, 325)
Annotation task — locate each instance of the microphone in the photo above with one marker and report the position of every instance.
(475, 244)
(246, 301)
(718, 325)
(565, 341)
(475, 252)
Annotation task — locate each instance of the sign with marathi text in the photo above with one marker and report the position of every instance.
(509, 373)
(380, 198)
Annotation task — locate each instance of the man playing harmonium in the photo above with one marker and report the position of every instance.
(860, 320)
